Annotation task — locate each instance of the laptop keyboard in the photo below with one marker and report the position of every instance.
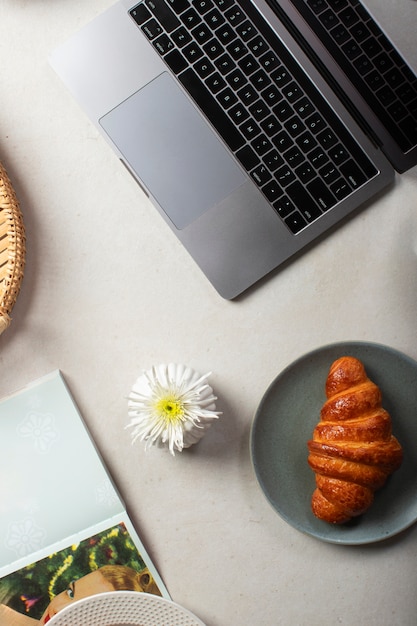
(261, 103)
(371, 62)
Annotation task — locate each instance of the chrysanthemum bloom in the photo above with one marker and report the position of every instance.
(171, 405)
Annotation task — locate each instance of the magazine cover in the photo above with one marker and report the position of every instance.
(64, 530)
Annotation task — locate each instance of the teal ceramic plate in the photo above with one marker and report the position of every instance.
(285, 420)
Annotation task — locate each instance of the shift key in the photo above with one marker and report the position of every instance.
(169, 21)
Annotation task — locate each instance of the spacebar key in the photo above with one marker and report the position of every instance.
(211, 109)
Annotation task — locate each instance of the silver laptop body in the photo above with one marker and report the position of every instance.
(198, 185)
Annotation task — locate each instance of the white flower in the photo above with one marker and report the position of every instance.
(171, 404)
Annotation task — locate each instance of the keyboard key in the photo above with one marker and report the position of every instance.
(294, 126)
(246, 30)
(348, 16)
(340, 189)
(340, 34)
(261, 175)
(248, 95)
(215, 83)
(283, 141)
(269, 61)
(306, 142)
(225, 34)
(270, 125)
(192, 52)
(318, 157)
(281, 76)
(283, 111)
(386, 95)
(284, 175)
(163, 44)
(317, 5)
(250, 129)
(181, 37)
(301, 198)
(329, 173)
(190, 18)
(248, 64)
(273, 160)
(304, 107)
(327, 138)
(351, 49)
(237, 49)
(321, 194)
(353, 174)
(176, 61)
(295, 222)
(272, 190)
(292, 92)
(261, 144)
(382, 62)
(310, 212)
(236, 79)
(371, 47)
(163, 14)
(225, 64)
(140, 14)
(338, 154)
(257, 45)
(214, 19)
(204, 67)
(223, 4)
(213, 49)
(284, 206)
(260, 80)
(238, 113)
(202, 6)
(305, 172)
(409, 127)
(271, 95)
(360, 32)
(152, 29)
(227, 98)
(248, 157)
(201, 33)
(294, 156)
(235, 15)
(178, 6)
(337, 5)
(328, 19)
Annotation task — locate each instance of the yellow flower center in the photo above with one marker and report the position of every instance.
(169, 408)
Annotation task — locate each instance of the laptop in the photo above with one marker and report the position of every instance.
(254, 126)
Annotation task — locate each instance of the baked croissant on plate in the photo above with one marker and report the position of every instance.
(353, 450)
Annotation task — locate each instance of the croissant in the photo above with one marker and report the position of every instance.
(353, 450)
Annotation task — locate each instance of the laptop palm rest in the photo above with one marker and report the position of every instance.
(173, 150)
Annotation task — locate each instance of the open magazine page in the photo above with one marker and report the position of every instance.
(109, 560)
(64, 531)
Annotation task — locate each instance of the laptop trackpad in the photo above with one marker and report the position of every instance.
(173, 150)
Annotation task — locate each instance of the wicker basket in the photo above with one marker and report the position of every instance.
(12, 249)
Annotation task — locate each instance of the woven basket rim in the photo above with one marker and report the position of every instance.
(12, 248)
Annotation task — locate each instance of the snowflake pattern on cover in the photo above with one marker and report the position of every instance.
(24, 537)
(40, 428)
(105, 494)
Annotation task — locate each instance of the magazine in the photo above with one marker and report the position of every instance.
(64, 530)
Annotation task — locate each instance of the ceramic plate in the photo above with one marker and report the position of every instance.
(124, 608)
(285, 420)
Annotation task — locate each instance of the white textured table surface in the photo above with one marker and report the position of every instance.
(108, 291)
